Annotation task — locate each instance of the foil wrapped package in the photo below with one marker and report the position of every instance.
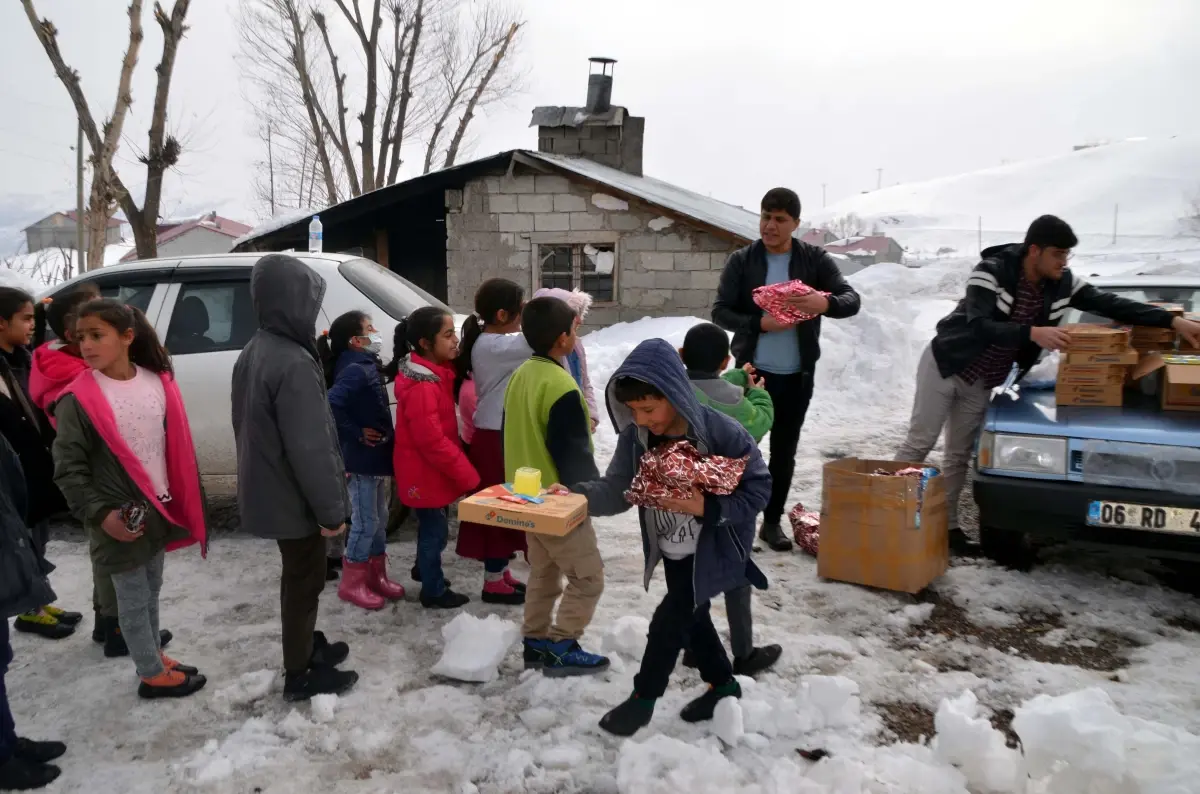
(670, 471)
(773, 299)
(806, 528)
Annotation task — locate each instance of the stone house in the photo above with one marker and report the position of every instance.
(578, 212)
(206, 234)
(57, 230)
(869, 250)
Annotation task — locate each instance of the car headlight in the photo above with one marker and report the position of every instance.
(1034, 454)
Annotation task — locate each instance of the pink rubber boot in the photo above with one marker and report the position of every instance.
(355, 588)
(378, 579)
(501, 592)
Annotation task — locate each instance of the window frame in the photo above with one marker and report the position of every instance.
(577, 240)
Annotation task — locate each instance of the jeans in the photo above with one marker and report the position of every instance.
(791, 395)
(432, 532)
(137, 612)
(300, 586)
(677, 620)
(8, 730)
(367, 535)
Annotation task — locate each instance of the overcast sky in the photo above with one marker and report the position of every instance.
(738, 96)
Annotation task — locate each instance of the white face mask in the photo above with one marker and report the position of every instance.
(374, 344)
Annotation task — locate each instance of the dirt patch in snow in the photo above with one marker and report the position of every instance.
(905, 722)
(1184, 623)
(1001, 720)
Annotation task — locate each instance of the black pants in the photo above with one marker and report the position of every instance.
(791, 395)
(8, 732)
(676, 620)
(300, 587)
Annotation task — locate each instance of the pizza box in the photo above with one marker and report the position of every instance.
(556, 515)
(1087, 338)
(1102, 396)
(1102, 374)
(1127, 358)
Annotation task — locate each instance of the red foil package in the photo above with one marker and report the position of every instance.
(806, 528)
(773, 299)
(669, 471)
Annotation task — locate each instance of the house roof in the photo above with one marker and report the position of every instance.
(816, 236)
(862, 246)
(671, 199)
(72, 216)
(212, 222)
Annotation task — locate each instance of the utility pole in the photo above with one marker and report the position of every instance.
(79, 245)
(822, 195)
(1115, 207)
(878, 178)
(980, 233)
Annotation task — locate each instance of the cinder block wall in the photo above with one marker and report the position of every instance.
(664, 267)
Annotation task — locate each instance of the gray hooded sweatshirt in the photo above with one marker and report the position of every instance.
(291, 479)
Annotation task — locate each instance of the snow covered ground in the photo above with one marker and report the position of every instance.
(865, 675)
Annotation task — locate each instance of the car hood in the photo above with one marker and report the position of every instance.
(1141, 420)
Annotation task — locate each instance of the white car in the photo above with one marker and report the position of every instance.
(200, 306)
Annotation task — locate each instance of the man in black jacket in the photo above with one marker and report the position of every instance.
(784, 355)
(1016, 297)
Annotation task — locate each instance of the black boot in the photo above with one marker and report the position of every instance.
(17, 774)
(318, 681)
(416, 576)
(114, 641)
(629, 717)
(771, 534)
(702, 708)
(326, 653)
(447, 600)
(38, 752)
(332, 566)
(100, 628)
(689, 659)
(758, 660)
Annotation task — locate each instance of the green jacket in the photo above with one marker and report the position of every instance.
(752, 408)
(546, 424)
(95, 484)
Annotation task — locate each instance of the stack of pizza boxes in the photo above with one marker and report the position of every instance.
(1095, 366)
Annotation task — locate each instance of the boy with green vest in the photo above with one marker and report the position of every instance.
(547, 427)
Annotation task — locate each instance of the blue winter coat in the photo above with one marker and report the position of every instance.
(359, 399)
(727, 528)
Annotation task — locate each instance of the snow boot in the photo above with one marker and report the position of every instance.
(378, 579)
(318, 681)
(326, 653)
(171, 684)
(534, 652)
(415, 575)
(354, 588)
(447, 600)
(500, 592)
(757, 661)
(63, 616)
(38, 752)
(178, 667)
(565, 658)
(17, 774)
(100, 628)
(43, 624)
(702, 708)
(114, 642)
(332, 566)
(629, 717)
(771, 534)
(512, 582)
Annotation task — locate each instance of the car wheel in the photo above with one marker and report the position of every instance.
(1007, 547)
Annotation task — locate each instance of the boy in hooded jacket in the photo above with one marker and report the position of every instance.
(704, 541)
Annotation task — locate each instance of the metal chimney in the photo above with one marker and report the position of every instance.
(599, 95)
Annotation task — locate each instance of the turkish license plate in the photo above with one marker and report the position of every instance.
(1120, 515)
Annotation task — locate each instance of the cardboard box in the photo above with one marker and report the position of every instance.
(1179, 388)
(1096, 395)
(1103, 374)
(1097, 339)
(870, 533)
(557, 515)
(1174, 309)
(1126, 358)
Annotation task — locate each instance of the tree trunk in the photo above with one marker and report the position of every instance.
(406, 92)
(473, 102)
(97, 223)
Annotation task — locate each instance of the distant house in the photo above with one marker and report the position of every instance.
(57, 230)
(207, 234)
(867, 250)
(818, 237)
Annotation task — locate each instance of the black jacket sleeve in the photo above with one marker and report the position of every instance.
(729, 310)
(844, 301)
(982, 292)
(569, 440)
(1095, 301)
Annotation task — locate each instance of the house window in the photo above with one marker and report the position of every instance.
(587, 266)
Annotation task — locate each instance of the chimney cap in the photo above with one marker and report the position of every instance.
(604, 63)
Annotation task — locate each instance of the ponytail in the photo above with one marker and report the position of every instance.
(472, 329)
(40, 324)
(423, 325)
(493, 296)
(146, 351)
(335, 341)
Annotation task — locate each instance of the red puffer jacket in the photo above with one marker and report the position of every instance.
(431, 468)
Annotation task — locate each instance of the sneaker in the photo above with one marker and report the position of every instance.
(500, 592)
(760, 659)
(43, 624)
(534, 652)
(326, 653)
(415, 574)
(17, 774)
(512, 582)
(114, 643)
(565, 658)
(702, 708)
(629, 717)
(171, 664)
(317, 681)
(63, 616)
(771, 534)
(171, 684)
(447, 600)
(38, 752)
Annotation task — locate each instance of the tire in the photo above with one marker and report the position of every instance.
(1007, 547)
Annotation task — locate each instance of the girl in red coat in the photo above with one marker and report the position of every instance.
(432, 470)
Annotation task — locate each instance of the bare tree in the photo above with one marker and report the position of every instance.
(1191, 220)
(162, 151)
(848, 225)
(45, 267)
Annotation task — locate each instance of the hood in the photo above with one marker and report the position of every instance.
(1002, 251)
(579, 301)
(656, 362)
(719, 390)
(349, 357)
(287, 296)
(53, 370)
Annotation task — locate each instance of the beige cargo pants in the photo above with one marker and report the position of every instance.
(576, 556)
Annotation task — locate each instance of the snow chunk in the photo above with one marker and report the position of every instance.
(564, 756)
(475, 647)
(727, 721)
(440, 752)
(969, 741)
(323, 707)
(610, 203)
(835, 698)
(246, 689)
(275, 223)
(660, 223)
(626, 636)
(246, 748)
(294, 726)
(539, 719)
(663, 765)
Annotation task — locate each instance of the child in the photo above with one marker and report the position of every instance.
(291, 479)
(547, 427)
(704, 541)
(124, 458)
(432, 471)
(575, 360)
(492, 349)
(30, 434)
(740, 395)
(360, 407)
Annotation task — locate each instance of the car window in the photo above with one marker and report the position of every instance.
(209, 317)
(1187, 297)
(137, 295)
(395, 295)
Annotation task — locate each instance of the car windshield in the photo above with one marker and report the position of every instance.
(1187, 297)
(395, 295)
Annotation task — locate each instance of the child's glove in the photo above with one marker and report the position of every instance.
(773, 299)
(672, 470)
